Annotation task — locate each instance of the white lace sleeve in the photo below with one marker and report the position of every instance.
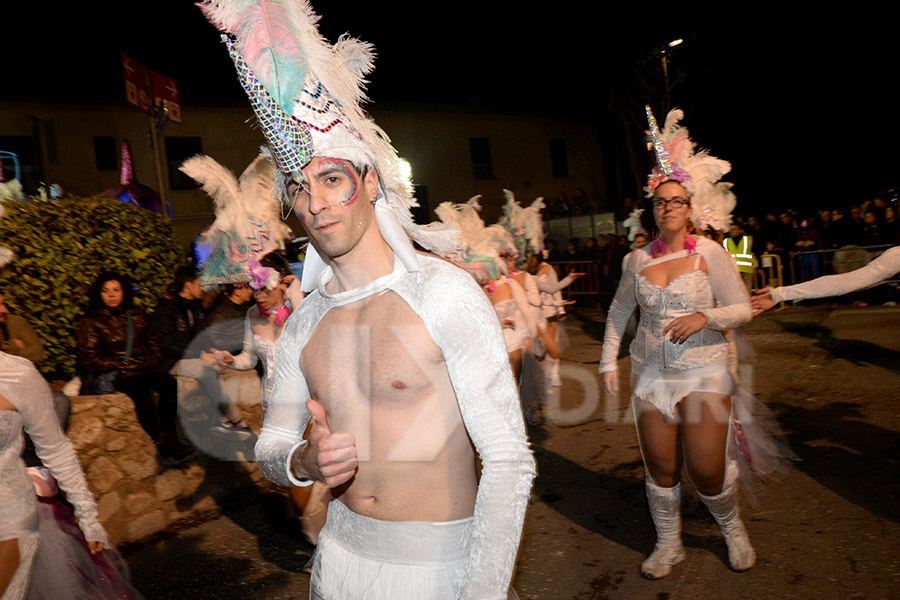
(56, 452)
(246, 360)
(286, 415)
(881, 268)
(620, 310)
(732, 301)
(466, 329)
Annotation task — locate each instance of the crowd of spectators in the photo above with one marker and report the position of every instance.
(789, 234)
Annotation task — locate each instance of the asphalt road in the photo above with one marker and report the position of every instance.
(830, 528)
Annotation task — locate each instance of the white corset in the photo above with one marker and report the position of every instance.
(686, 294)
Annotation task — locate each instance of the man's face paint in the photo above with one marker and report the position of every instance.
(330, 180)
(334, 166)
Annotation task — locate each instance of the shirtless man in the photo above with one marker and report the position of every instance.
(396, 357)
(401, 372)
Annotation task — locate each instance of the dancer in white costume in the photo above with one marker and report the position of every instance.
(395, 357)
(277, 293)
(25, 403)
(689, 291)
(884, 267)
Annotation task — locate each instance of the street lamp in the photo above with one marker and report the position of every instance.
(665, 66)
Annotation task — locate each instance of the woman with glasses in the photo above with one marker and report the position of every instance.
(689, 292)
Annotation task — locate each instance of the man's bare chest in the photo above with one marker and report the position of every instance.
(376, 350)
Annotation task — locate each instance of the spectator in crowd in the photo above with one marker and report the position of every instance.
(179, 317)
(891, 226)
(116, 341)
(871, 231)
(553, 253)
(740, 246)
(640, 240)
(826, 229)
(855, 225)
(840, 229)
(17, 337)
(580, 201)
(225, 320)
(808, 240)
(572, 252)
(591, 250)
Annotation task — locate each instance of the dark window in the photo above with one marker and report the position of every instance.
(482, 166)
(559, 158)
(24, 149)
(105, 153)
(178, 150)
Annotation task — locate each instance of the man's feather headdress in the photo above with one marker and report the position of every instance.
(307, 95)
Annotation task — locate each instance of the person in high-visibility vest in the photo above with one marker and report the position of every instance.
(740, 246)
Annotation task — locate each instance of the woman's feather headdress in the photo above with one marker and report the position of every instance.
(480, 246)
(712, 201)
(247, 224)
(525, 225)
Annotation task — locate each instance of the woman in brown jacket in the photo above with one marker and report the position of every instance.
(136, 364)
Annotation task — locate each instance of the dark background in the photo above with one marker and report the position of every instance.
(800, 99)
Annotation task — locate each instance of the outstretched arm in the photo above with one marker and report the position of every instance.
(883, 267)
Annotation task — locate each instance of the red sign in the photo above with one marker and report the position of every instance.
(148, 90)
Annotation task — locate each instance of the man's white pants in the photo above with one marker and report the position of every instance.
(361, 558)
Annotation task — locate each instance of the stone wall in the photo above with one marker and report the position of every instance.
(136, 495)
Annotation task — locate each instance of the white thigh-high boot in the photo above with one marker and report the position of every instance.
(665, 508)
(724, 508)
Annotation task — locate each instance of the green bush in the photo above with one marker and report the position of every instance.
(61, 246)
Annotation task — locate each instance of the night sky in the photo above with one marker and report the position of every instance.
(802, 102)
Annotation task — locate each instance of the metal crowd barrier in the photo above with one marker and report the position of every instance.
(828, 262)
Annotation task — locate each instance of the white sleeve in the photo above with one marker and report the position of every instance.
(56, 452)
(521, 299)
(469, 336)
(286, 416)
(246, 360)
(732, 301)
(620, 310)
(532, 293)
(881, 268)
(546, 284)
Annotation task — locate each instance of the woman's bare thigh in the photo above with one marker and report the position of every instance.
(658, 437)
(704, 424)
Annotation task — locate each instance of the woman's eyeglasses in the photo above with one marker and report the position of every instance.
(676, 202)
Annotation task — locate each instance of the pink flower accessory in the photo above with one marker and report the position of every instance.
(659, 248)
(262, 277)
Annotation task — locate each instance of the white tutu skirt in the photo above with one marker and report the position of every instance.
(756, 441)
(665, 389)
